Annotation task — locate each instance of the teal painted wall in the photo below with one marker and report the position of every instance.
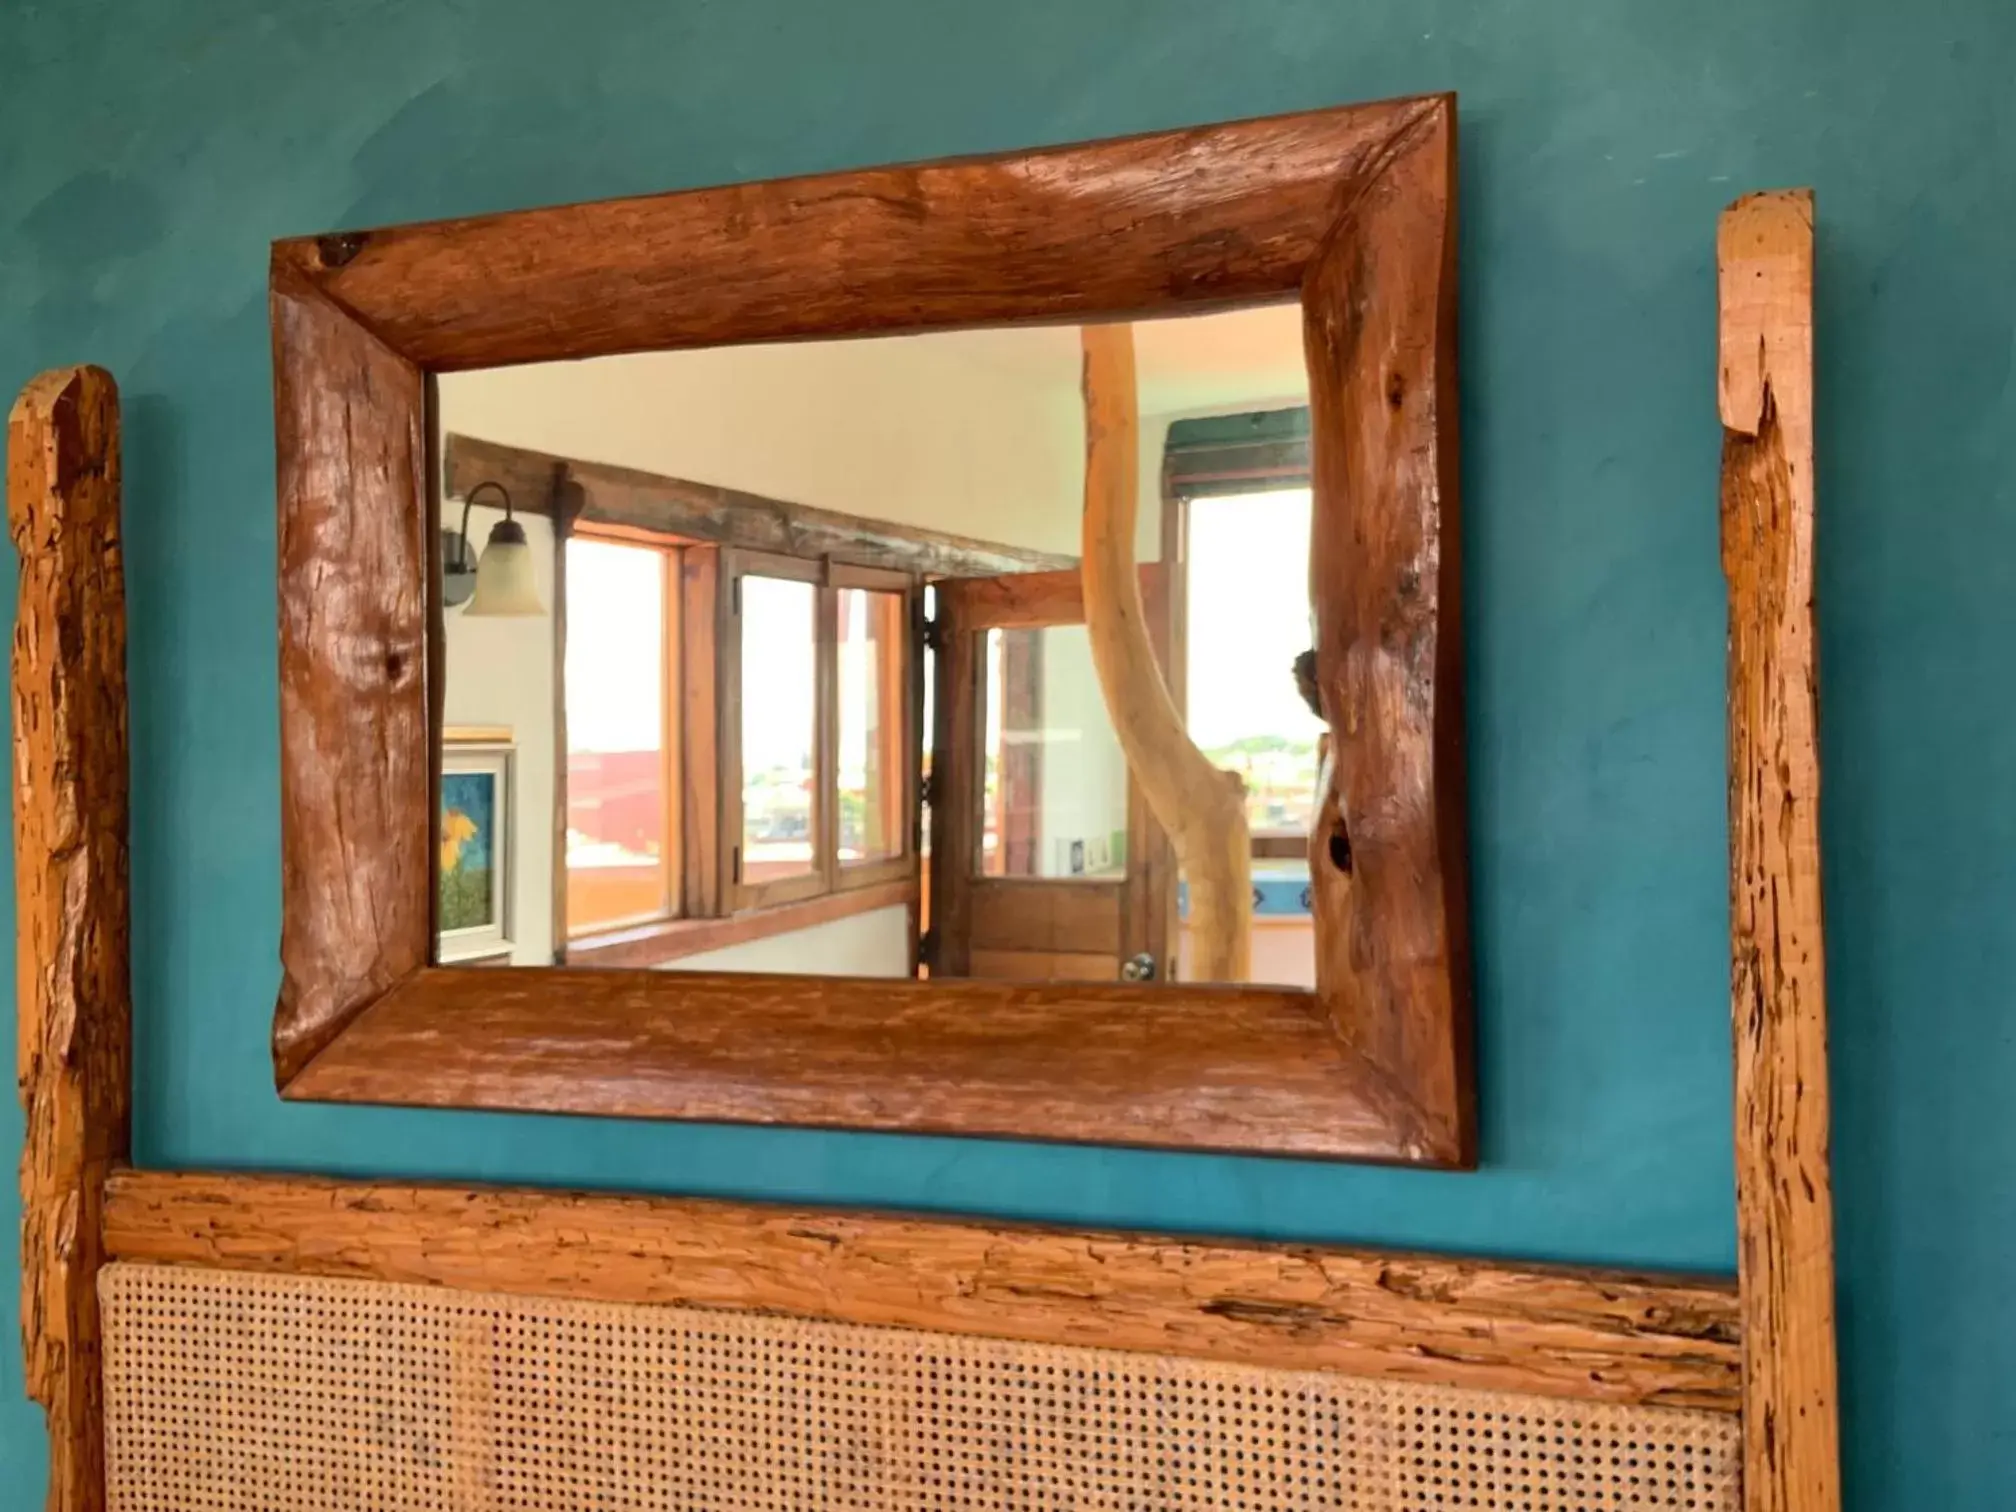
(148, 153)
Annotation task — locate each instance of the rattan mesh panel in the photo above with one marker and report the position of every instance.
(227, 1390)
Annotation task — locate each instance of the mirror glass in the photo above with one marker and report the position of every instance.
(735, 637)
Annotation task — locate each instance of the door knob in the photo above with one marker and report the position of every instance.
(1140, 969)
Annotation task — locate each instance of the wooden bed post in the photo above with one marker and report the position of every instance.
(1785, 1225)
(70, 880)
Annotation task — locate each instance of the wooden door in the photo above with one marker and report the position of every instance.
(1029, 878)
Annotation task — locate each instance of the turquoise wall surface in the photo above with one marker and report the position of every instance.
(150, 151)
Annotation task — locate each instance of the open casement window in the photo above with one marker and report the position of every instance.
(760, 712)
(815, 728)
(1045, 862)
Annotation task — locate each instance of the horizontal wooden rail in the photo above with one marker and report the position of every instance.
(625, 500)
(1580, 1334)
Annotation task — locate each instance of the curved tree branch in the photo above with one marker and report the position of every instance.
(1201, 807)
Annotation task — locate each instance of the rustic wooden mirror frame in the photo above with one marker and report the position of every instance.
(1352, 209)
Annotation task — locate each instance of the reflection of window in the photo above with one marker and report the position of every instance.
(781, 807)
(622, 855)
(1243, 708)
(825, 755)
(1054, 779)
(738, 731)
(869, 714)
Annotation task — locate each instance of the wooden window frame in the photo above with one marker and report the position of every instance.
(874, 871)
(743, 896)
(710, 676)
(671, 746)
(628, 507)
(829, 874)
(1351, 209)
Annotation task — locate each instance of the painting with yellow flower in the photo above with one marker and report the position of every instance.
(470, 871)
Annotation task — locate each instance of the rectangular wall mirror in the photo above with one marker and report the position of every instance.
(970, 647)
(693, 723)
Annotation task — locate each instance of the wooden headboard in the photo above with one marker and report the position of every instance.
(212, 1340)
(425, 1338)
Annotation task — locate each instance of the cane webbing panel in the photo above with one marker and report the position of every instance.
(230, 1390)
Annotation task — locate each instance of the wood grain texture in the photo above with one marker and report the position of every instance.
(73, 994)
(1032, 913)
(1594, 1335)
(356, 782)
(1785, 1227)
(626, 499)
(1200, 808)
(1195, 1067)
(1196, 219)
(1392, 959)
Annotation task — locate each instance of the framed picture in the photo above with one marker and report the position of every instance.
(474, 869)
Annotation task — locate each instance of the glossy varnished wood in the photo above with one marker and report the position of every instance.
(1785, 1225)
(72, 989)
(356, 875)
(1388, 860)
(1209, 1068)
(1195, 219)
(1593, 1335)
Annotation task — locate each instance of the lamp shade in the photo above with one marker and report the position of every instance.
(504, 578)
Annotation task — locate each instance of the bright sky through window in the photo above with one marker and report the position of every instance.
(1249, 556)
(615, 642)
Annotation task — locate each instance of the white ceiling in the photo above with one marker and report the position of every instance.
(1241, 359)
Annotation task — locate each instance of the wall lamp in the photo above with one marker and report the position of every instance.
(501, 581)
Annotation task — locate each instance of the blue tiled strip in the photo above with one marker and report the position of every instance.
(1276, 897)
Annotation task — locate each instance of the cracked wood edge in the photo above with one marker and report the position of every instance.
(356, 759)
(1389, 852)
(1785, 1237)
(1579, 1334)
(71, 891)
